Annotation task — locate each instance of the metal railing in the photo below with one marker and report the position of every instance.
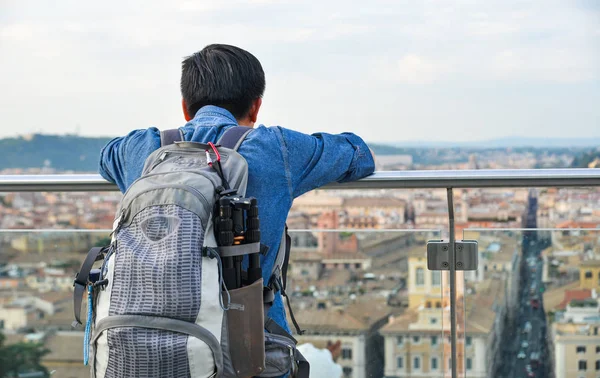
(434, 179)
(484, 178)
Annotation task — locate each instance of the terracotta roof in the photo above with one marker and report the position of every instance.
(554, 296)
(301, 255)
(401, 323)
(577, 224)
(577, 294)
(345, 256)
(370, 309)
(328, 321)
(64, 346)
(373, 202)
(56, 297)
(594, 263)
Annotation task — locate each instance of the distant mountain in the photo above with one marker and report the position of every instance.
(537, 142)
(62, 152)
(80, 154)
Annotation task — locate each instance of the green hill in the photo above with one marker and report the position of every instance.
(63, 153)
(74, 153)
(584, 159)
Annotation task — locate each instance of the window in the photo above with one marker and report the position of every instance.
(438, 304)
(400, 363)
(432, 320)
(582, 365)
(580, 349)
(416, 339)
(428, 304)
(417, 362)
(436, 278)
(597, 365)
(469, 340)
(1, 324)
(598, 349)
(469, 364)
(399, 340)
(357, 266)
(434, 365)
(420, 276)
(588, 274)
(346, 354)
(347, 371)
(433, 340)
(304, 272)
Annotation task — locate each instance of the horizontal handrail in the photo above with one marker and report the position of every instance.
(480, 178)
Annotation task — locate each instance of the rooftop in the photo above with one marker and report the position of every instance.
(591, 263)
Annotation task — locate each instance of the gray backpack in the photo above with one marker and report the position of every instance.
(159, 305)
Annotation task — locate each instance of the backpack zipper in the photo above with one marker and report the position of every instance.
(164, 155)
(166, 173)
(188, 188)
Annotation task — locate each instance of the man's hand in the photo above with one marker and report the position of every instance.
(373, 154)
(335, 349)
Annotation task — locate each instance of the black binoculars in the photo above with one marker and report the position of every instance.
(237, 223)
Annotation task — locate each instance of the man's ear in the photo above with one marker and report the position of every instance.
(253, 115)
(186, 113)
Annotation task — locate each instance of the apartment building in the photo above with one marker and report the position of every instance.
(417, 343)
(577, 348)
(589, 274)
(355, 326)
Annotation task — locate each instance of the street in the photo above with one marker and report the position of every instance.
(527, 334)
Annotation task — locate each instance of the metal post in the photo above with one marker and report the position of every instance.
(452, 272)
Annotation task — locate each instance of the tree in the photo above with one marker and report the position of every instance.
(21, 358)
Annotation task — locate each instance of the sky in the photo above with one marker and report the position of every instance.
(388, 70)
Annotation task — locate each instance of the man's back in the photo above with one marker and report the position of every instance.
(282, 165)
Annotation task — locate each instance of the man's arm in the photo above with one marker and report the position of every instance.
(318, 159)
(122, 159)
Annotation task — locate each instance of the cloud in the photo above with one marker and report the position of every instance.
(104, 54)
(410, 69)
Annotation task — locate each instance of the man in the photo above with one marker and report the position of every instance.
(222, 86)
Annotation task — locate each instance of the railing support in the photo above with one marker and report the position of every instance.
(451, 242)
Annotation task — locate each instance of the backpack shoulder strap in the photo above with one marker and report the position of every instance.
(170, 136)
(234, 136)
(82, 280)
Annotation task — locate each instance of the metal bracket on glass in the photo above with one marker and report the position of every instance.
(438, 255)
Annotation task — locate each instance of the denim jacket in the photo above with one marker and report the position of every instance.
(282, 165)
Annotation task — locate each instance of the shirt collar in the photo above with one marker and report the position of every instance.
(214, 111)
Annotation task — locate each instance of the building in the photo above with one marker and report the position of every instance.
(13, 317)
(589, 274)
(65, 358)
(305, 265)
(424, 286)
(50, 279)
(355, 327)
(417, 342)
(576, 341)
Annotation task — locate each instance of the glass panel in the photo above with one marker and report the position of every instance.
(37, 269)
(460, 323)
(534, 306)
(359, 297)
(369, 293)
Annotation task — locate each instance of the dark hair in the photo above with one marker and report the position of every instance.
(222, 75)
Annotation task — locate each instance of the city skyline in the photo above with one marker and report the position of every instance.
(455, 71)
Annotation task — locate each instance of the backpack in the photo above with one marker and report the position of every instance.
(169, 299)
